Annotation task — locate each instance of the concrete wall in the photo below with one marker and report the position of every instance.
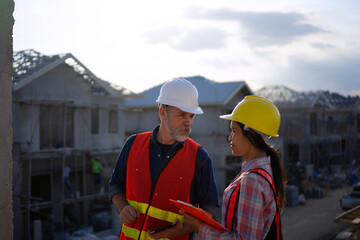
(6, 26)
(58, 84)
(62, 84)
(141, 120)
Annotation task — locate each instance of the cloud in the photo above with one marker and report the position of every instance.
(321, 45)
(262, 28)
(162, 35)
(187, 39)
(340, 74)
(256, 29)
(201, 38)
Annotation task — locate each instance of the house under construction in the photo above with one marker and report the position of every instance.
(63, 115)
(318, 129)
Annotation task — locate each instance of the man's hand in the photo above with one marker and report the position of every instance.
(178, 230)
(129, 214)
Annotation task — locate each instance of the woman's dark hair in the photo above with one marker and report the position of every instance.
(277, 166)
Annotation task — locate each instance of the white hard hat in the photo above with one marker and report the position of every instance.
(180, 93)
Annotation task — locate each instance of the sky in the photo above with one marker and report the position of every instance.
(306, 45)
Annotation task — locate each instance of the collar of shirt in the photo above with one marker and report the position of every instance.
(179, 145)
(262, 162)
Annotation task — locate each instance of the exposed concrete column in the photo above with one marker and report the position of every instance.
(6, 55)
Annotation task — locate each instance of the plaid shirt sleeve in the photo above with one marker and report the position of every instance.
(256, 210)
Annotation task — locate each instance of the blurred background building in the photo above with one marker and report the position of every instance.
(63, 115)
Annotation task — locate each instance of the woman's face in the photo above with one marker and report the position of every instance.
(239, 143)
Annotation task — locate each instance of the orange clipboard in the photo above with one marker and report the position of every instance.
(198, 213)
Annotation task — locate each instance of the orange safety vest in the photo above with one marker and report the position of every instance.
(153, 203)
(230, 212)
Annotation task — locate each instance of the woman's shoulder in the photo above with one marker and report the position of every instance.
(254, 179)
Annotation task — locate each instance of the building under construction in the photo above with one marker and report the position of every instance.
(320, 129)
(63, 115)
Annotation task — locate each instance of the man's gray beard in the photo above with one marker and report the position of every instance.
(181, 138)
(173, 132)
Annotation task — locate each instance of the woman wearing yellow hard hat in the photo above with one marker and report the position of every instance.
(252, 201)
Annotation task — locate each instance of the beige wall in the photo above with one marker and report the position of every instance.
(6, 26)
(63, 84)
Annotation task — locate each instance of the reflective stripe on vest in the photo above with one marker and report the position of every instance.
(156, 212)
(153, 201)
(233, 200)
(134, 233)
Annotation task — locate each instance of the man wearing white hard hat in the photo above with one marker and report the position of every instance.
(164, 164)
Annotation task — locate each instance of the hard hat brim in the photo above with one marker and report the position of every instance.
(227, 117)
(197, 110)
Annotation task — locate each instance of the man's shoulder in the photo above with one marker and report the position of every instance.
(131, 138)
(143, 134)
(203, 156)
(203, 151)
(129, 141)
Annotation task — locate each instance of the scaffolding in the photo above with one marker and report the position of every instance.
(322, 142)
(31, 206)
(42, 149)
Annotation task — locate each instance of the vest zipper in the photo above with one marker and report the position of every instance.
(150, 198)
(153, 189)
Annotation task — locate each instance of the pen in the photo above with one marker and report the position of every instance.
(163, 228)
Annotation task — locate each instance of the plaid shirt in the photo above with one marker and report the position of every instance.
(256, 207)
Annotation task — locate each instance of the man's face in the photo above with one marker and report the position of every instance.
(178, 123)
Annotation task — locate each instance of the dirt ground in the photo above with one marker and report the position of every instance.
(315, 219)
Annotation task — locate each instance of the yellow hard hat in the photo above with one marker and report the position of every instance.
(257, 113)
